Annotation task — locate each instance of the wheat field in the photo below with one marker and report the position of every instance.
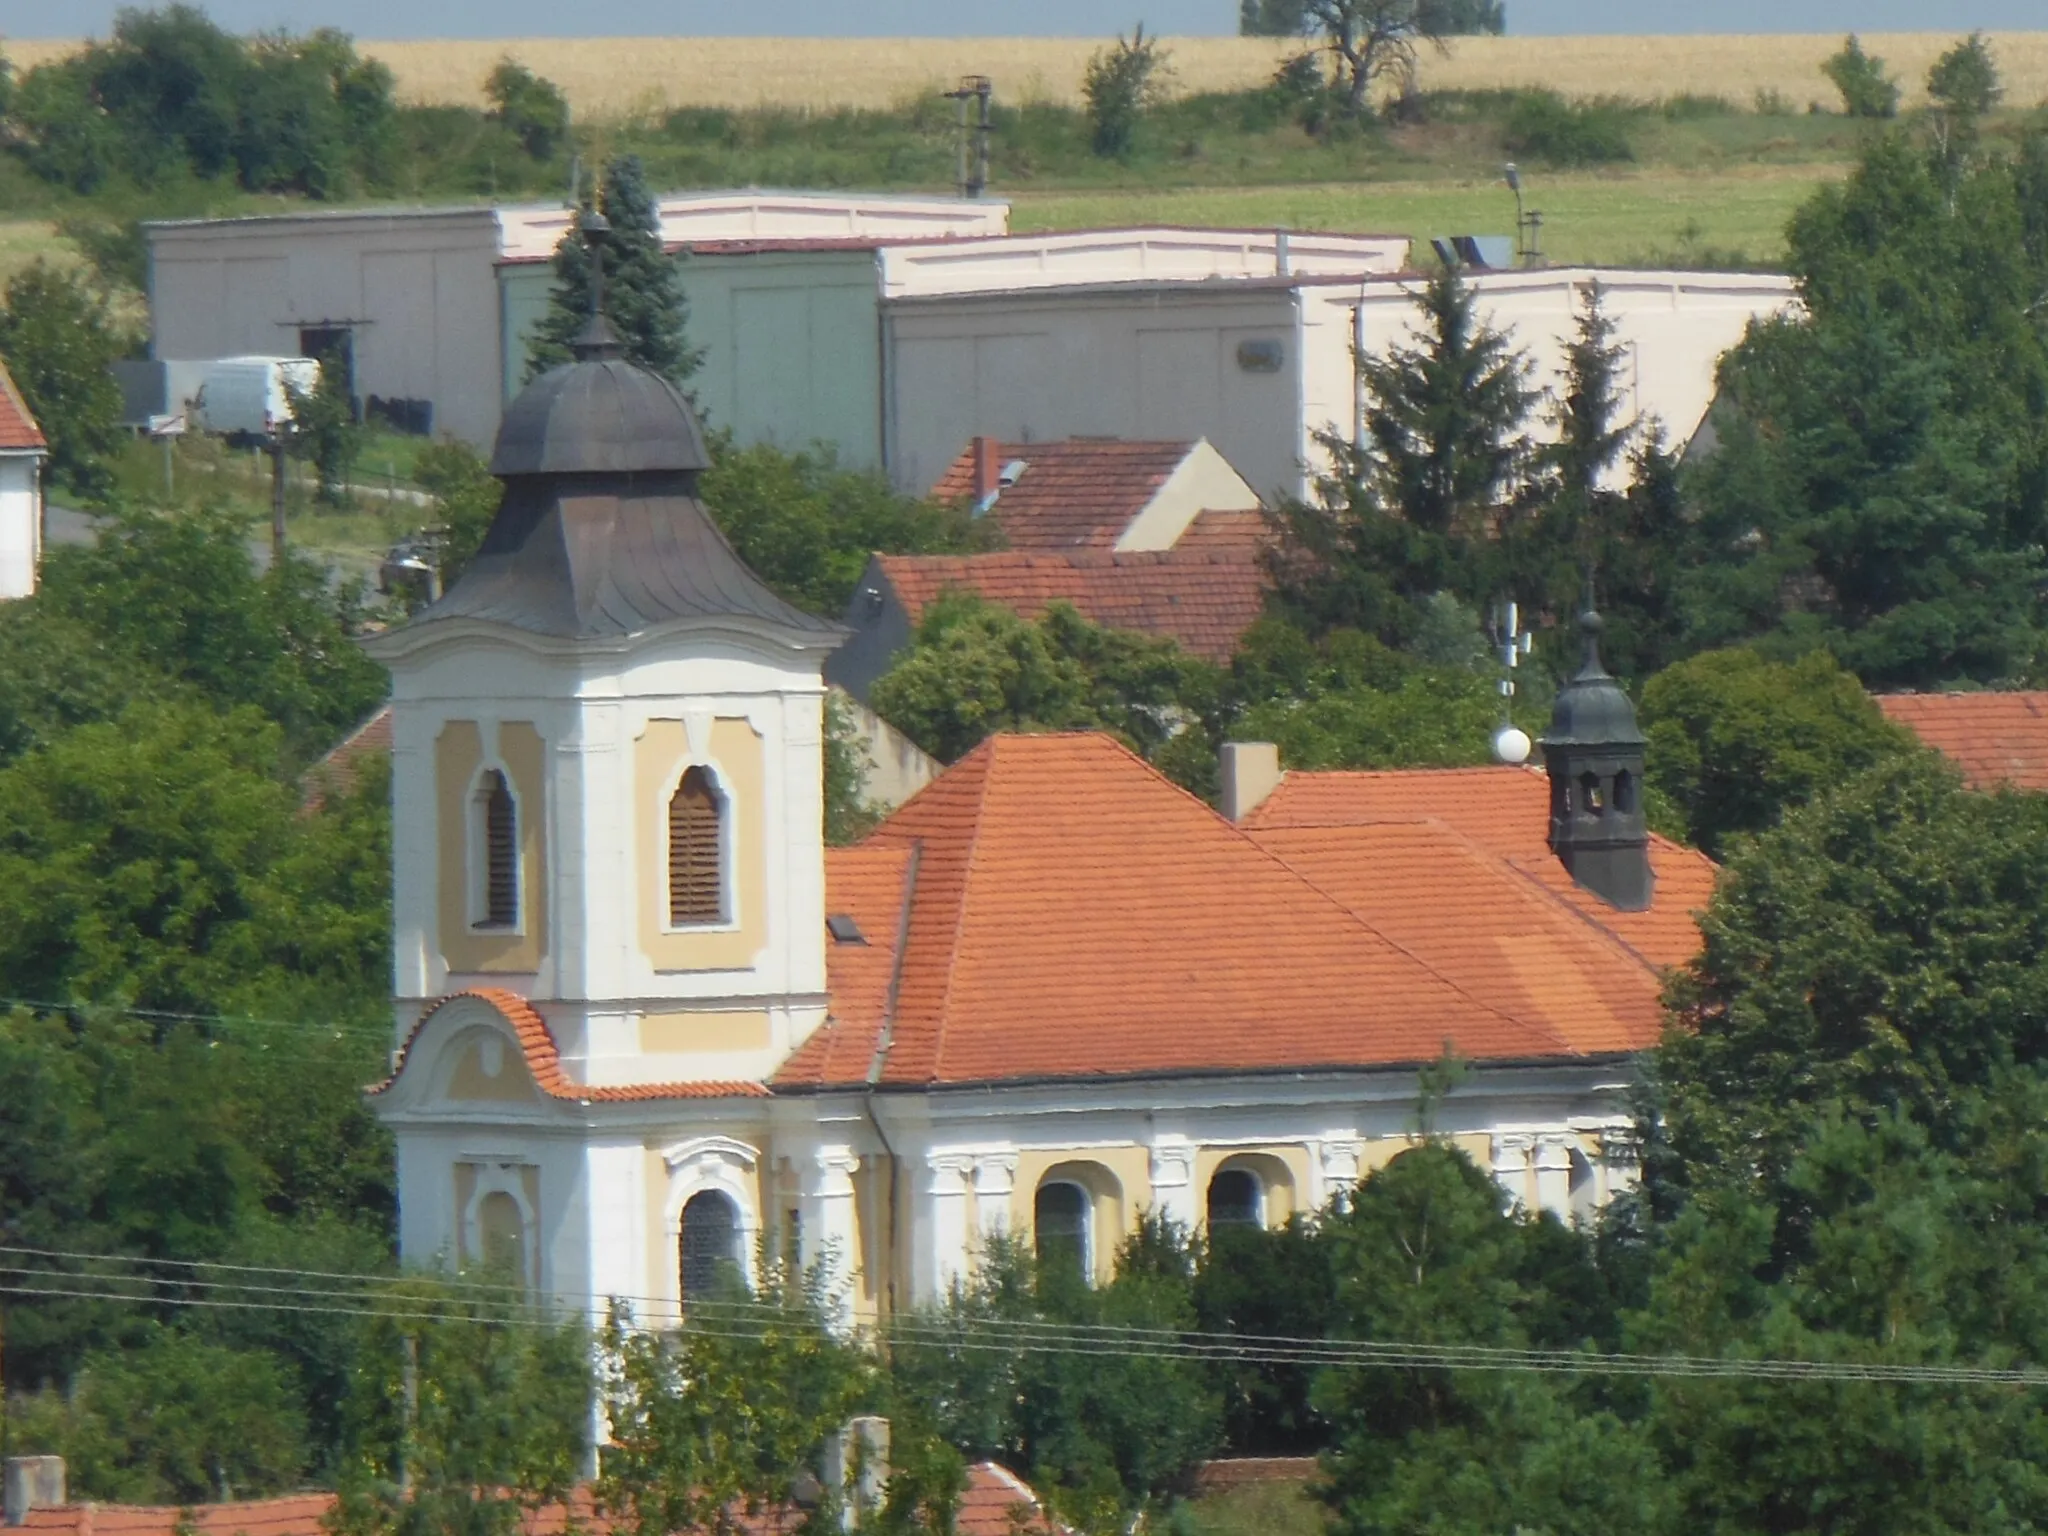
(620, 77)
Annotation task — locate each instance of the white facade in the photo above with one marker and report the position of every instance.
(21, 521)
(1261, 366)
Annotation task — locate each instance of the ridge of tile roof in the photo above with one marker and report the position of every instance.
(1077, 915)
(544, 1061)
(1204, 599)
(1994, 737)
(19, 432)
(1506, 812)
(1244, 532)
(1076, 492)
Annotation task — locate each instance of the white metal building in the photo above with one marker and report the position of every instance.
(1259, 366)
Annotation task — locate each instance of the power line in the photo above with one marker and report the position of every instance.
(755, 1321)
(337, 1028)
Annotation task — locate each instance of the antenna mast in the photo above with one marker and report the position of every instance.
(972, 180)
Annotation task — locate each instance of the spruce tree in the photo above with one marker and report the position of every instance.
(643, 295)
(1412, 510)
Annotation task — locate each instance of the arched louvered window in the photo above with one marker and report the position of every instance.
(498, 822)
(696, 856)
(708, 1243)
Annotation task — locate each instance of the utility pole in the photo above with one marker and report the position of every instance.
(277, 459)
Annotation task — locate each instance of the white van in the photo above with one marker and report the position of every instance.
(246, 396)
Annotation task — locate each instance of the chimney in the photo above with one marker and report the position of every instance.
(857, 1467)
(1251, 772)
(33, 1482)
(988, 473)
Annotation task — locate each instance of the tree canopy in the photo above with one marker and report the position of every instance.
(59, 343)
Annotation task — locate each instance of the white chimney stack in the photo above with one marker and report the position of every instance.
(33, 1482)
(1250, 773)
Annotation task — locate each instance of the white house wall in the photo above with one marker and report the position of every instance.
(21, 523)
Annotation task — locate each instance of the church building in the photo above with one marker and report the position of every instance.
(649, 1024)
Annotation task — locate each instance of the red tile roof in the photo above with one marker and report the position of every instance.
(337, 772)
(1075, 914)
(1505, 812)
(995, 1502)
(1203, 600)
(18, 430)
(1076, 493)
(1240, 533)
(537, 1044)
(1995, 738)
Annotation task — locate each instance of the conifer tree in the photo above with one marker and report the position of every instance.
(643, 295)
(1412, 509)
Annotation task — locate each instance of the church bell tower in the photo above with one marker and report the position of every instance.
(1593, 752)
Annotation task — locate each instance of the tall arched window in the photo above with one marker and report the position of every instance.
(501, 1232)
(1059, 1226)
(1235, 1199)
(498, 870)
(696, 857)
(709, 1241)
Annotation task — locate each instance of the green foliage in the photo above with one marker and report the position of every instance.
(848, 815)
(1881, 484)
(1736, 739)
(1272, 18)
(974, 669)
(178, 598)
(463, 1424)
(1101, 1436)
(1376, 41)
(806, 525)
(116, 250)
(643, 294)
(1964, 81)
(1409, 512)
(170, 1418)
(1279, 1283)
(1120, 84)
(170, 96)
(466, 496)
(1543, 125)
(58, 341)
(534, 111)
(1867, 91)
(324, 430)
(1880, 951)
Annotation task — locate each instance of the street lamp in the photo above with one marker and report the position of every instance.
(1528, 223)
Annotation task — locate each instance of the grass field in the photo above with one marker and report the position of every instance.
(621, 77)
(1612, 219)
(1256, 1509)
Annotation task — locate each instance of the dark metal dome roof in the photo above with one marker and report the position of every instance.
(1592, 710)
(598, 415)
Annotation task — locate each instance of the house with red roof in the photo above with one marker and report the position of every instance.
(647, 1022)
(22, 452)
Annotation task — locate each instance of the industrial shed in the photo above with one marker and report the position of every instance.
(1260, 366)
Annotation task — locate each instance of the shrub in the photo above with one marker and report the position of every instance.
(1542, 125)
(1867, 91)
(533, 110)
(1964, 81)
(1122, 84)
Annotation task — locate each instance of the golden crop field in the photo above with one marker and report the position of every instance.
(621, 76)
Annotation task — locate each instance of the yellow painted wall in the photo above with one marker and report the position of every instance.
(738, 1030)
(1282, 1170)
(1117, 1198)
(458, 754)
(512, 1084)
(660, 756)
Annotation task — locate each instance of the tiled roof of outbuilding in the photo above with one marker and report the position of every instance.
(18, 430)
(1074, 493)
(1995, 738)
(1203, 600)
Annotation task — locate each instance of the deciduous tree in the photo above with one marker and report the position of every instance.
(59, 342)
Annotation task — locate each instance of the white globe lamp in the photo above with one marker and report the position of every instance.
(1511, 744)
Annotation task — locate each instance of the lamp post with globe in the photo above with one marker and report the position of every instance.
(1511, 744)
